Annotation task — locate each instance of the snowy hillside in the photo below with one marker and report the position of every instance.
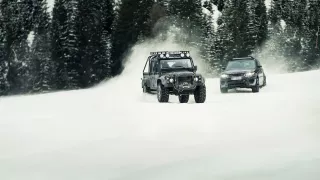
(115, 132)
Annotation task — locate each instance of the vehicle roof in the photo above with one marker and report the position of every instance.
(243, 58)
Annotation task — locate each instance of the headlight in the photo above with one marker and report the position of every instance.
(171, 80)
(250, 74)
(196, 79)
(224, 76)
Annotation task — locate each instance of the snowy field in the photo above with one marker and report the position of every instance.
(115, 132)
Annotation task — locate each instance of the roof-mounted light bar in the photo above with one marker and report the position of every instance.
(167, 54)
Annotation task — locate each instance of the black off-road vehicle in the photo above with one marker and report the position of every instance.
(243, 73)
(173, 73)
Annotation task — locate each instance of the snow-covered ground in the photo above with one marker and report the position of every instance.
(116, 132)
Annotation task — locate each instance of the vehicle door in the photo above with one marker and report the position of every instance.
(152, 74)
(146, 73)
(156, 73)
(260, 73)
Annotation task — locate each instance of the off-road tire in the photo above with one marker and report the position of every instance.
(224, 90)
(256, 89)
(184, 98)
(162, 93)
(200, 94)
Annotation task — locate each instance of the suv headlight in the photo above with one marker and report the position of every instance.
(224, 76)
(249, 74)
(170, 79)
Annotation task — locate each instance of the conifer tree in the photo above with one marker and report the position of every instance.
(132, 23)
(18, 19)
(41, 50)
(66, 44)
(311, 23)
(59, 32)
(188, 16)
(3, 61)
(261, 21)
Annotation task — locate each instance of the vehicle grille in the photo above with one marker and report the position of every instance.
(183, 79)
(236, 84)
(237, 75)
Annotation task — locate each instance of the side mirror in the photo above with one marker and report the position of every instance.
(259, 66)
(196, 68)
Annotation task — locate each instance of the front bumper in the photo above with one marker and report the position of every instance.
(184, 86)
(244, 82)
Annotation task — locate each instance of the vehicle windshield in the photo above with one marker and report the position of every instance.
(175, 64)
(241, 65)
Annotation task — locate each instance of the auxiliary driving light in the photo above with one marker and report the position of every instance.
(167, 55)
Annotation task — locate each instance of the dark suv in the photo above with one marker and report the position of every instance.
(173, 73)
(243, 73)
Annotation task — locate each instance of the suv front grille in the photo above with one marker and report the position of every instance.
(183, 79)
(237, 75)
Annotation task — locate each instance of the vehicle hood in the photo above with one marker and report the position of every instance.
(230, 72)
(180, 73)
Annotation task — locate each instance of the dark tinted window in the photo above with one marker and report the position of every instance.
(246, 64)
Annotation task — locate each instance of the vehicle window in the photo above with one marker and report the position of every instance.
(175, 63)
(241, 64)
(146, 70)
(152, 63)
(156, 67)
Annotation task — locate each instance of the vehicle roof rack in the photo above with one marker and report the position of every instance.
(169, 52)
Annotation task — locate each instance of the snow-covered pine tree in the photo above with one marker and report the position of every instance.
(261, 21)
(293, 13)
(224, 42)
(188, 16)
(235, 29)
(41, 50)
(130, 25)
(59, 32)
(207, 48)
(95, 28)
(143, 23)
(17, 16)
(250, 34)
(74, 69)
(65, 34)
(311, 40)
(3, 61)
